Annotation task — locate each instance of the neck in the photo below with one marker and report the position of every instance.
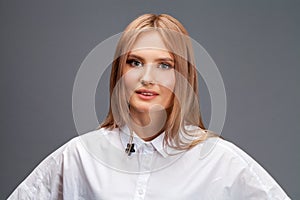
(148, 125)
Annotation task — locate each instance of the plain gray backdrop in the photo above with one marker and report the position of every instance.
(255, 45)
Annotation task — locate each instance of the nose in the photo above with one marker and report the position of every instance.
(147, 74)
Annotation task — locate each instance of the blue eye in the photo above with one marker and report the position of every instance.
(134, 63)
(165, 66)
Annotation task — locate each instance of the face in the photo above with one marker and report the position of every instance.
(149, 75)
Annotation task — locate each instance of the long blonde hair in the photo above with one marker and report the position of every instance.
(185, 109)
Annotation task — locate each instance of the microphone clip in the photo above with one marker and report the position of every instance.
(130, 149)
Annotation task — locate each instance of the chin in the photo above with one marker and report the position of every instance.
(145, 107)
(141, 108)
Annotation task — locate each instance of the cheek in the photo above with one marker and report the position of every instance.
(167, 80)
(130, 79)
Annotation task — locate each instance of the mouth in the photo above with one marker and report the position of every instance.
(146, 94)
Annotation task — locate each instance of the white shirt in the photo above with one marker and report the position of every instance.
(95, 166)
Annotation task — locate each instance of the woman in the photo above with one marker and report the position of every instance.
(148, 146)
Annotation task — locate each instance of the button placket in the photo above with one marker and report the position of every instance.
(146, 153)
(141, 186)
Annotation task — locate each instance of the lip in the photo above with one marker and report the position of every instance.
(146, 94)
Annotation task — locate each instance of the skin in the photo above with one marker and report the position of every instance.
(150, 61)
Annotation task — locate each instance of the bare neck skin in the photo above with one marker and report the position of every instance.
(148, 125)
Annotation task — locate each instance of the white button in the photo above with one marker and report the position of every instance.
(141, 192)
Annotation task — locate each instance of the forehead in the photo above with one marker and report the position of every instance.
(149, 40)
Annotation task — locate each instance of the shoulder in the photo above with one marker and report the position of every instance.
(224, 147)
(241, 174)
(46, 180)
(225, 154)
(231, 157)
(97, 134)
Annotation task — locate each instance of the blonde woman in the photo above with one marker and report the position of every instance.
(148, 146)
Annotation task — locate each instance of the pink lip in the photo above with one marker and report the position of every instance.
(144, 94)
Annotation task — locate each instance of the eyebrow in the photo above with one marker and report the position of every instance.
(158, 59)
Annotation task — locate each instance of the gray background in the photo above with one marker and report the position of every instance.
(255, 44)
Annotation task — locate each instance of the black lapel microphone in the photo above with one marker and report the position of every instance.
(130, 146)
(130, 149)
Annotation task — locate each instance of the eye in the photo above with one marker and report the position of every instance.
(134, 63)
(165, 66)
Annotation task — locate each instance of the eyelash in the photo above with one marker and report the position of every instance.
(134, 63)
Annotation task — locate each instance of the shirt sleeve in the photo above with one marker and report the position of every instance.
(45, 181)
(254, 182)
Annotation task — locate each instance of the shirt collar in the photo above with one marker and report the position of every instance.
(156, 143)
